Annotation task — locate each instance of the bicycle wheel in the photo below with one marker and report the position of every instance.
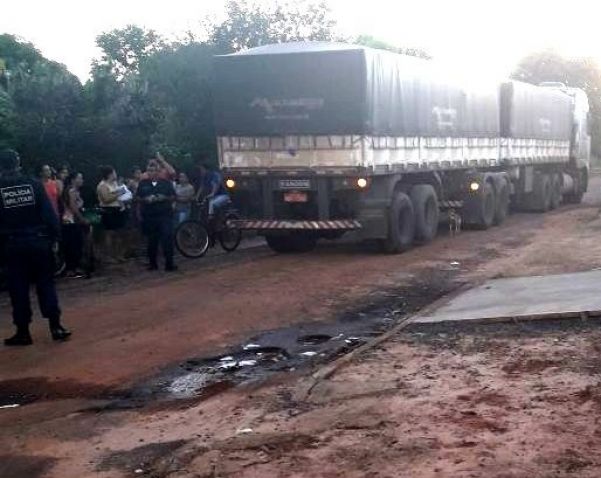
(192, 239)
(230, 237)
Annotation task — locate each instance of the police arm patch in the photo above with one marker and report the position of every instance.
(18, 196)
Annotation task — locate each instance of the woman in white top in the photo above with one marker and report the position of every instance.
(184, 197)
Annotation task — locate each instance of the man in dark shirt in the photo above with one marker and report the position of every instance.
(28, 229)
(156, 196)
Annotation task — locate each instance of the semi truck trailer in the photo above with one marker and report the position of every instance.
(321, 139)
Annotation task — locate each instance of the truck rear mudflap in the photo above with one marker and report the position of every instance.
(290, 225)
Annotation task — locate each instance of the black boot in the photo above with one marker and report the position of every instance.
(21, 338)
(58, 332)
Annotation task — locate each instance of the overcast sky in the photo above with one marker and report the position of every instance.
(484, 36)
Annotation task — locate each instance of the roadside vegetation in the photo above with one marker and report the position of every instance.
(147, 93)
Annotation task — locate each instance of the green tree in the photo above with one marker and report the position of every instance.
(125, 49)
(179, 87)
(583, 73)
(7, 118)
(41, 103)
(371, 42)
(248, 24)
(120, 117)
(144, 93)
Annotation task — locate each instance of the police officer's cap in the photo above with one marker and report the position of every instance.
(9, 159)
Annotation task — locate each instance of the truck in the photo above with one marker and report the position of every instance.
(318, 139)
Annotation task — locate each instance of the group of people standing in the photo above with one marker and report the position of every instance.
(157, 200)
(64, 193)
(35, 215)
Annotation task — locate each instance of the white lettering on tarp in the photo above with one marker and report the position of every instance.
(445, 118)
(18, 196)
(545, 125)
(287, 108)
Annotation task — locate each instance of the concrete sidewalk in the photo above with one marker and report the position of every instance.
(526, 298)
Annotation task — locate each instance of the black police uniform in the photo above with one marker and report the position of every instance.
(157, 219)
(28, 228)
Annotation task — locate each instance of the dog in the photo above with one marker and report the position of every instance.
(454, 222)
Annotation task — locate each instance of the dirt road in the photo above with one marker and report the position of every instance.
(422, 404)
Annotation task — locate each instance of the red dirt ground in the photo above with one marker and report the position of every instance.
(505, 405)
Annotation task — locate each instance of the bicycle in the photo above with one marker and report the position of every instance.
(194, 237)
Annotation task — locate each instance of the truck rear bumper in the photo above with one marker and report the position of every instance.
(288, 225)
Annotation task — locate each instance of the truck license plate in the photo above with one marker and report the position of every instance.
(295, 184)
(295, 196)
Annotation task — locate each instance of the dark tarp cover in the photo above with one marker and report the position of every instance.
(530, 111)
(330, 88)
(311, 91)
(407, 96)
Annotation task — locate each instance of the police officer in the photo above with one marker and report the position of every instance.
(155, 197)
(28, 228)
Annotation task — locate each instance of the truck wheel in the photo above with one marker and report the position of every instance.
(579, 188)
(425, 207)
(291, 243)
(574, 198)
(542, 193)
(502, 207)
(401, 225)
(483, 207)
(555, 192)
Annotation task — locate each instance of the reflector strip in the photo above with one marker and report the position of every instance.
(344, 225)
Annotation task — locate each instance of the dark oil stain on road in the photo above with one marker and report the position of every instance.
(24, 466)
(24, 391)
(291, 348)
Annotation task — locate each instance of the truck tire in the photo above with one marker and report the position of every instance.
(291, 243)
(502, 206)
(425, 207)
(542, 193)
(401, 225)
(483, 207)
(574, 198)
(581, 183)
(555, 192)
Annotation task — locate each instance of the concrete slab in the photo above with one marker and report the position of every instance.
(522, 298)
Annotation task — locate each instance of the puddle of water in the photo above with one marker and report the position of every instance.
(314, 339)
(251, 346)
(296, 347)
(188, 385)
(247, 363)
(271, 353)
